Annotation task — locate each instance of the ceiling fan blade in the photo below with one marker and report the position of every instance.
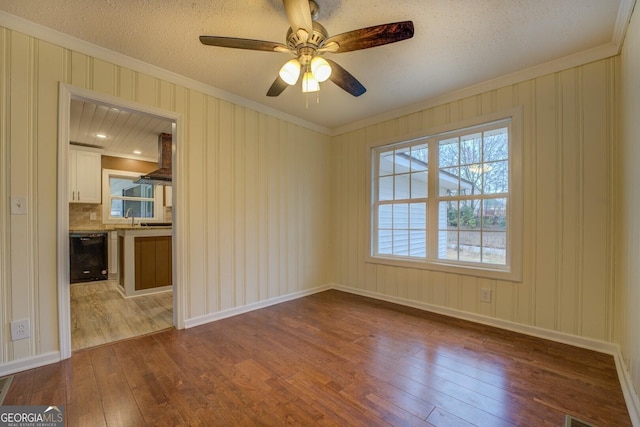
(299, 15)
(277, 87)
(345, 80)
(364, 38)
(237, 43)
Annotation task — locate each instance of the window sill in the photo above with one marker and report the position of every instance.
(486, 272)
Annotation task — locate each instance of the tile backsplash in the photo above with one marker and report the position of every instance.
(80, 215)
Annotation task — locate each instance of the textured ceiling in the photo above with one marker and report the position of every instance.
(457, 43)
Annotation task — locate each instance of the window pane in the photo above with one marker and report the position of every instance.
(419, 157)
(117, 208)
(127, 188)
(400, 242)
(448, 230)
(385, 163)
(418, 216)
(471, 179)
(418, 243)
(449, 181)
(448, 245)
(470, 149)
(469, 246)
(494, 215)
(418, 185)
(448, 152)
(449, 215)
(401, 187)
(402, 160)
(385, 216)
(385, 242)
(496, 177)
(385, 188)
(401, 216)
(137, 208)
(469, 214)
(496, 145)
(494, 247)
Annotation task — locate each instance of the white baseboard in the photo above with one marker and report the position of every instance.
(630, 394)
(629, 391)
(587, 343)
(207, 318)
(29, 363)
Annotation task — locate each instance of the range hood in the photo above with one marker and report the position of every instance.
(161, 176)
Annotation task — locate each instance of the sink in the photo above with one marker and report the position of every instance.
(155, 224)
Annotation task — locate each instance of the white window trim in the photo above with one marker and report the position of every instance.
(106, 205)
(511, 272)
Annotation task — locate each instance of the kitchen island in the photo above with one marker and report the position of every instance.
(144, 260)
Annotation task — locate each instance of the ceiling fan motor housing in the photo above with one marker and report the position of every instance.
(299, 39)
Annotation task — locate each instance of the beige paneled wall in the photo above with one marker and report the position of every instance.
(627, 314)
(569, 129)
(257, 191)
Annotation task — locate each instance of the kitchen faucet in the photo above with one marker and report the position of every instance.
(133, 216)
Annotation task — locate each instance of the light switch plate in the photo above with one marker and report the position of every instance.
(18, 205)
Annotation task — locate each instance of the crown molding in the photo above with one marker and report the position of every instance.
(575, 60)
(622, 22)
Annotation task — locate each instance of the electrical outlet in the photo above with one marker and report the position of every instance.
(20, 329)
(485, 295)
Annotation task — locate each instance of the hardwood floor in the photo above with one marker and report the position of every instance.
(330, 359)
(100, 314)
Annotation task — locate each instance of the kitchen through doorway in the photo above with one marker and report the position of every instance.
(120, 295)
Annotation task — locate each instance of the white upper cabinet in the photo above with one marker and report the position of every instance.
(84, 177)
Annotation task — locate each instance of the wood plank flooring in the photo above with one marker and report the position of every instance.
(332, 359)
(100, 314)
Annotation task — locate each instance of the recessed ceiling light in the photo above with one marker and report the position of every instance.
(101, 135)
(137, 152)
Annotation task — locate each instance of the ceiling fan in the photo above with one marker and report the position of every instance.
(308, 41)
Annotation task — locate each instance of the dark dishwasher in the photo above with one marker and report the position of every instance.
(88, 257)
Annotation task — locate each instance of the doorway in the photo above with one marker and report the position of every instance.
(98, 309)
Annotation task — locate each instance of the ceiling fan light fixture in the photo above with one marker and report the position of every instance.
(309, 83)
(308, 40)
(320, 68)
(290, 72)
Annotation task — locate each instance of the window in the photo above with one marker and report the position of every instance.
(123, 198)
(446, 201)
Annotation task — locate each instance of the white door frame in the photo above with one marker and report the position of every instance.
(66, 94)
